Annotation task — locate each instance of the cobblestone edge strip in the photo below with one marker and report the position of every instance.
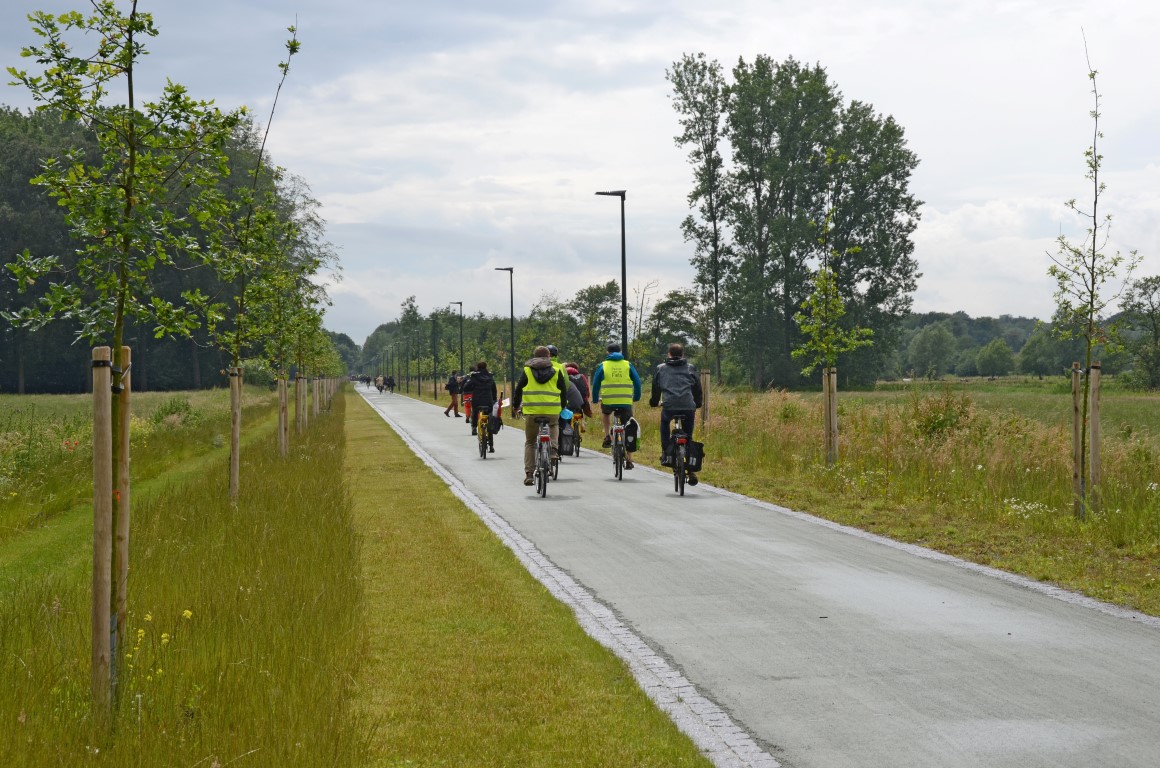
(710, 728)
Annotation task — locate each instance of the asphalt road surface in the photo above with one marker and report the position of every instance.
(779, 639)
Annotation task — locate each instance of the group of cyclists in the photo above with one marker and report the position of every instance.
(546, 388)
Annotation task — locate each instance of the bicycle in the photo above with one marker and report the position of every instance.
(577, 426)
(543, 470)
(483, 429)
(679, 450)
(618, 445)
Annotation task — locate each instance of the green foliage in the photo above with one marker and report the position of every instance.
(938, 415)
(1141, 312)
(931, 351)
(995, 359)
(176, 411)
(820, 321)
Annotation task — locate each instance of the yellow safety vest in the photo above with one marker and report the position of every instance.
(541, 399)
(616, 389)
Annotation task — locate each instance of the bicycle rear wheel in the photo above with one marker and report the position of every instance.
(679, 470)
(481, 430)
(542, 472)
(618, 459)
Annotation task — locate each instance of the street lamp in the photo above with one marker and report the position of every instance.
(462, 370)
(512, 291)
(623, 273)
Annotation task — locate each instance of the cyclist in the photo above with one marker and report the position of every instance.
(580, 381)
(621, 388)
(481, 386)
(677, 383)
(542, 390)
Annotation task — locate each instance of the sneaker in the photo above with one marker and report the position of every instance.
(448, 415)
(607, 442)
(528, 480)
(473, 433)
(491, 449)
(693, 479)
(628, 464)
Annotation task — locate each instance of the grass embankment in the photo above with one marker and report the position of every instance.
(243, 633)
(983, 473)
(350, 611)
(469, 660)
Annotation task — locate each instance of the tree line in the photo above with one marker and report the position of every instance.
(37, 357)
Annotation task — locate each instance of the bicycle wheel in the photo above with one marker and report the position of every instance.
(481, 430)
(679, 469)
(618, 458)
(542, 472)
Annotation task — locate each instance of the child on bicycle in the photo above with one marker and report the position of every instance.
(481, 386)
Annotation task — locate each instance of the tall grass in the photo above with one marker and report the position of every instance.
(46, 445)
(243, 636)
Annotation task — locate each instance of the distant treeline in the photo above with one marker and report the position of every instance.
(50, 359)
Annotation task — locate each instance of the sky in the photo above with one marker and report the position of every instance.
(447, 138)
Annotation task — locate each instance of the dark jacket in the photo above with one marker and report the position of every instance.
(678, 383)
(542, 371)
(481, 385)
(453, 384)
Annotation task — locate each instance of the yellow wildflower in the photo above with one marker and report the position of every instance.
(187, 614)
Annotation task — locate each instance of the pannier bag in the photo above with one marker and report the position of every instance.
(631, 433)
(694, 455)
(567, 438)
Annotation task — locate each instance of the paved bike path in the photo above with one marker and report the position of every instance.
(829, 647)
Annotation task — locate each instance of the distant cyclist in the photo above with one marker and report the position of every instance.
(541, 390)
(678, 385)
(616, 386)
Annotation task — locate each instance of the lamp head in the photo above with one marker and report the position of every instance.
(621, 193)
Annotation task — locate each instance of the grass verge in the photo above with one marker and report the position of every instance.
(469, 660)
(243, 636)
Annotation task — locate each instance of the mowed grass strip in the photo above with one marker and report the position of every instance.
(470, 660)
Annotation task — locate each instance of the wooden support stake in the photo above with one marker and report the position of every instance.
(102, 528)
(1076, 444)
(235, 434)
(1094, 437)
(315, 386)
(831, 391)
(283, 417)
(121, 517)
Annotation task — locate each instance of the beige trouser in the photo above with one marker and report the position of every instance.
(531, 432)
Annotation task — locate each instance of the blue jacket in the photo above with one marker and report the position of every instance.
(598, 378)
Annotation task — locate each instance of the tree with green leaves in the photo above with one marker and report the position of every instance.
(995, 359)
(700, 95)
(1082, 272)
(129, 210)
(932, 350)
(1141, 307)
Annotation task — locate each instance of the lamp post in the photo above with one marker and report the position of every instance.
(462, 369)
(512, 293)
(623, 273)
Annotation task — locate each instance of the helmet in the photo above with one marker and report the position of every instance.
(552, 350)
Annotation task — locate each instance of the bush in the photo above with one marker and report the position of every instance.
(941, 414)
(176, 412)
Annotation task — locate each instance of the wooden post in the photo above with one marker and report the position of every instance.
(831, 397)
(317, 389)
(1094, 436)
(102, 527)
(305, 402)
(283, 417)
(705, 402)
(298, 404)
(121, 516)
(1076, 445)
(235, 434)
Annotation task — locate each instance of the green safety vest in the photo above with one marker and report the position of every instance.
(541, 399)
(616, 389)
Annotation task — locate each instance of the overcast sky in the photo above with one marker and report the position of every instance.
(446, 138)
